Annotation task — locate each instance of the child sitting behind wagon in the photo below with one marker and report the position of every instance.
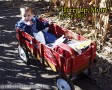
(32, 25)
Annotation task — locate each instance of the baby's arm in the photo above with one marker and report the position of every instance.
(25, 27)
(40, 25)
(21, 25)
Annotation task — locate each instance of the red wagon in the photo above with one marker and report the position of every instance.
(62, 58)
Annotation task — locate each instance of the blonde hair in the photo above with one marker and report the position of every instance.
(26, 9)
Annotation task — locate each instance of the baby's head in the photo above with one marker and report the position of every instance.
(26, 13)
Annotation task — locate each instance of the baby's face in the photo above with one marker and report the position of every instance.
(26, 16)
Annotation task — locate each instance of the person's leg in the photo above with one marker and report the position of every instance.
(40, 37)
(49, 37)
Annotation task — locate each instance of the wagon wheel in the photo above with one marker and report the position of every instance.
(23, 53)
(64, 84)
(88, 77)
(87, 72)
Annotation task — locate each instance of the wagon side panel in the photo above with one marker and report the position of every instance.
(36, 46)
(57, 30)
(26, 40)
(52, 58)
(83, 61)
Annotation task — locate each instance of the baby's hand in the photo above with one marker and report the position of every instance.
(29, 23)
(50, 21)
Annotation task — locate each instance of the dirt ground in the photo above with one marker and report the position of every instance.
(13, 71)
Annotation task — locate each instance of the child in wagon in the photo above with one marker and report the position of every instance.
(32, 25)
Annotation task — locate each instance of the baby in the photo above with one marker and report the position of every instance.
(32, 25)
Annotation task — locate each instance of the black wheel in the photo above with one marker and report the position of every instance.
(64, 84)
(23, 53)
(87, 72)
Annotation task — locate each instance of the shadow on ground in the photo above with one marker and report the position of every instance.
(12, 69)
